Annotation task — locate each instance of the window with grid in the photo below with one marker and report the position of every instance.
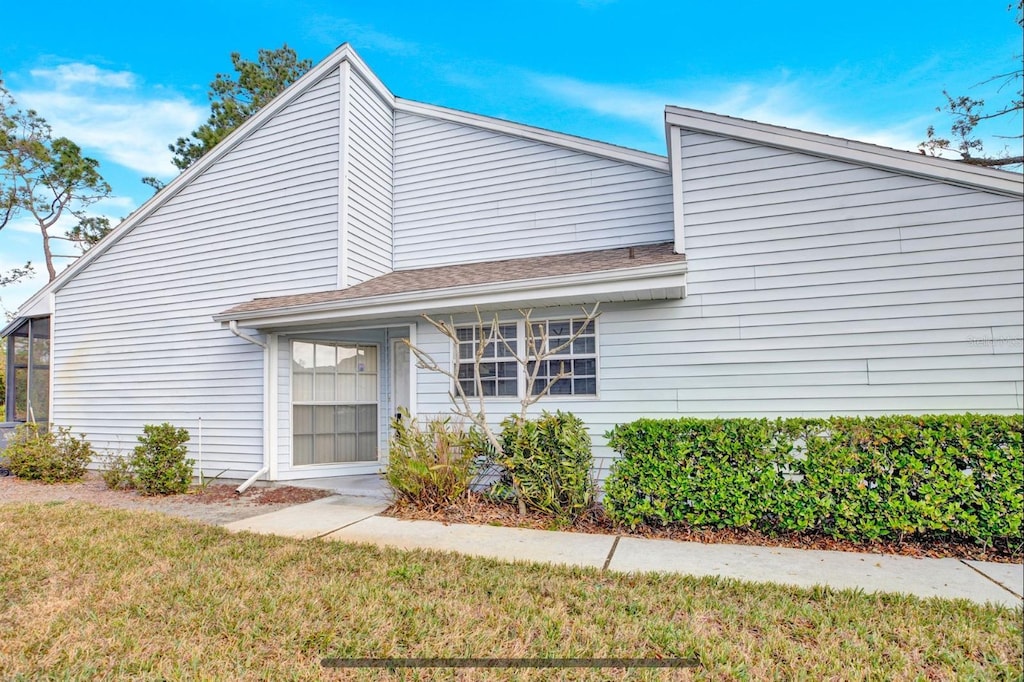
(499, 373)
(578, 357)
(334, 402)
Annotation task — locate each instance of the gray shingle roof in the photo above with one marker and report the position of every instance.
(450, 276)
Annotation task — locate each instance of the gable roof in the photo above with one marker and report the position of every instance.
(292, 92)
(863, 153)
(344, 53)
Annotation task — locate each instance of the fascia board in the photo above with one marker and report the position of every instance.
(11, 326)
(581, 144)
(667, 277)
(173, 188)
(909, 163)
(360, 67)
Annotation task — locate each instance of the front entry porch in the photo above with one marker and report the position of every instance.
(337, 392)
(356, 485)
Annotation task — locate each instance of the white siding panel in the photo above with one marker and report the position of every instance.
(465, 194)
(912, 279)
(370, 151)
(134, 341)
(816, 287)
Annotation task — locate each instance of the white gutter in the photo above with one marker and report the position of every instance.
(571, 289)
(233, 326)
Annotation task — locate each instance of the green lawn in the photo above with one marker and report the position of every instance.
(90, 592)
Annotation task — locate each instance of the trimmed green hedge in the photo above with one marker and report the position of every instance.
(857, 478)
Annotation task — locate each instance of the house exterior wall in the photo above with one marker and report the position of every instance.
(134, 342)
(465, 194)
(369, 154)
(815, 287)
(836, 288)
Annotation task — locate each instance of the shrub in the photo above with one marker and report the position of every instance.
(856, 478)
(702, 472)
(159, 461)
(548, 462)
(117, 473)
(50, 456)
(429, 466)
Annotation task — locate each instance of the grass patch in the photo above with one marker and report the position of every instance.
(91, 592)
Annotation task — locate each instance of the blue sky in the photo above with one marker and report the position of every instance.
(127, 80)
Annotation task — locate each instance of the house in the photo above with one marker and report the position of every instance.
(263, 298)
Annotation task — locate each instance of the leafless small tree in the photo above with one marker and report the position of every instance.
(531, 358)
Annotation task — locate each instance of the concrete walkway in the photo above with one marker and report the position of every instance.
(355, 519)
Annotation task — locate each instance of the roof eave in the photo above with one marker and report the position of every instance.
(581, 144)
(909, 163)
(652, 282)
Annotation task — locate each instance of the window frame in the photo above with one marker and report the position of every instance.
(521, 371)
(571, 356)
(458, 362)
(378, 372)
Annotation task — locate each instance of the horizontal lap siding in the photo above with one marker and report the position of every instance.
(134, 342)
(829, 288)
(467, 194)
(370, 136)
(848, 291)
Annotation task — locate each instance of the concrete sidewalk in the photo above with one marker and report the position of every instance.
(355, 519)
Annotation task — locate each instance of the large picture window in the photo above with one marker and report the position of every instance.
(501, 375)
(335, 392)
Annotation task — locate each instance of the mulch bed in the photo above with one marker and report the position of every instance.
(479, 510)
(284, 494)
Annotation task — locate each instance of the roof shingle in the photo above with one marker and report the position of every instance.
(450, 276)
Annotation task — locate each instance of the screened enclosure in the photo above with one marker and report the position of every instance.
(28, 371)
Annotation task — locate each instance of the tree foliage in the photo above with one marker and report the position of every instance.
(969, 114)
(46, 178)
(234, 99)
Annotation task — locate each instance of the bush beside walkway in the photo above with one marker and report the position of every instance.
(955, 477)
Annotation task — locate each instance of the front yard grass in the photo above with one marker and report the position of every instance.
(90, 593)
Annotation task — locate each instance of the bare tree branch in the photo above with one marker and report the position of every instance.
(530, 358)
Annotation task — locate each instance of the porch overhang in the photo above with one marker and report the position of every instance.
(627, 274)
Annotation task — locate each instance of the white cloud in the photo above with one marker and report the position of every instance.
(69, 75)
(781, 101)
(109, 112)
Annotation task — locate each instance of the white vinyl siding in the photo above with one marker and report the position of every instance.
(873, 293)
(369, 154)
(465, 194)
(834, 288)
(134, 340)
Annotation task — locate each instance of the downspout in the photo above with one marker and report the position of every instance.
(233, 326)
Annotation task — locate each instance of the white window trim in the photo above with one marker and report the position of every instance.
(597, 359)
(457, 361)
(521, 371)
(292, 403)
